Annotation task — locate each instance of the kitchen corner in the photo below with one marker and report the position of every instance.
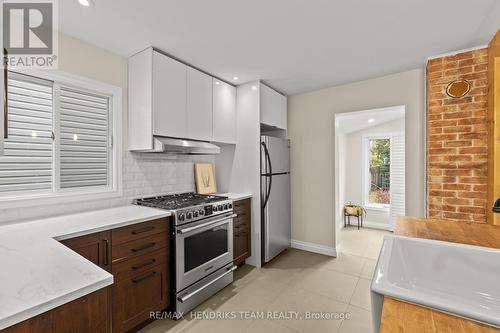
(43, 273)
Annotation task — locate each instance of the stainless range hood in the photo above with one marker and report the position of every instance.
(184, 147)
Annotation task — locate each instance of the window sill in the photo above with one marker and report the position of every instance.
(377, 208)
(37, 200)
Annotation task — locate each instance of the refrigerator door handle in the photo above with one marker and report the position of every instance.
(269, 175)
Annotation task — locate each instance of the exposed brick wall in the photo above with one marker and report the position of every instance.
(457, 138)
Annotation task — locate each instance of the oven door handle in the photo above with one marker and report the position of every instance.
(184, 298)
(203, 225)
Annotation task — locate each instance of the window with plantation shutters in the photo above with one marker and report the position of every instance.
(84, 139)
(59, 138)
(27, 162)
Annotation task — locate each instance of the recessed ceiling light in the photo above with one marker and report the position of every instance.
(254, 87)
(86, 3)
(371, 120)
(217, 82)
(235, 78)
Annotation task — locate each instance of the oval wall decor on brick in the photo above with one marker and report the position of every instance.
(458, 88)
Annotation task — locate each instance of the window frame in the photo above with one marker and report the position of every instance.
(58, 195)
(366, 181)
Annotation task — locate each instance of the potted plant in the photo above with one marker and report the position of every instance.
(355, 210)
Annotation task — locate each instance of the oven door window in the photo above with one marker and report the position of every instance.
(202, 247)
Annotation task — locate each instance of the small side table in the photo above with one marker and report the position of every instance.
(347, 218)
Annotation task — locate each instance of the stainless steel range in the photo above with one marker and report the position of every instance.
(203, 236)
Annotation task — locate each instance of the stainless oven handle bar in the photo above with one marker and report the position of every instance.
(194, 292)
(186, 230)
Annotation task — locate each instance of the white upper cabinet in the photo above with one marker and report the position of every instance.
(156, 99)
(169, 97)
(273, 108)
(224, 112)
(199, 105)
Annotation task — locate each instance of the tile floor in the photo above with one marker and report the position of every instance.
(296, 281)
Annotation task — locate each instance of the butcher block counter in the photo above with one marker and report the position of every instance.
(398, 316)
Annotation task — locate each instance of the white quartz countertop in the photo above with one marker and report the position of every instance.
(38, 273)
(236, 196)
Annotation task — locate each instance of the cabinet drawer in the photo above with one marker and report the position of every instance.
(136, 296)
(140, 264)
(241, 246)
(242, 218)
(241, 205)
(240, 227)
(139, 247)
(139, 230)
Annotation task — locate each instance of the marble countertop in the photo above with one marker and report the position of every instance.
(236, 196)
(39, 273)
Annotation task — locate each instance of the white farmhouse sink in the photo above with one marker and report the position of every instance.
(459, 279)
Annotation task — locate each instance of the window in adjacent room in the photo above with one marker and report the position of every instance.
(378, 179)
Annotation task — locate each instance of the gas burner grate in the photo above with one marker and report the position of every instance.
(178, 201)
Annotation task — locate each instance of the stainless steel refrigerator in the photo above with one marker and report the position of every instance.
(275, 196)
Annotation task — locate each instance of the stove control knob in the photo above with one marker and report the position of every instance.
(182, 217)
(230, 206)
(195, 213)
(202, 212)
(189, 215)
(226, 207)
(219, 208)
(214, 208)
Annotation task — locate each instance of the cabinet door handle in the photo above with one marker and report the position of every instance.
(143, 230)
(142, 278)
(106, 252)
(145, 247)
(136, 267)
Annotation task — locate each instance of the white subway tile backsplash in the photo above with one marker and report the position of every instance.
(144, 174)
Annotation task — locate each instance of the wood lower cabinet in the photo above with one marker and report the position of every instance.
(94, 247)
(88, 314)
(242, 245)
(134, 297)
(141, 270)
(138, 257)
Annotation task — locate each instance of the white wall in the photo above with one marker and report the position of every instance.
(312, 132)
(354, 168)
(340, 179)
(143, 174)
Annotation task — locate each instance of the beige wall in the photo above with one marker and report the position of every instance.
(86, 60)
(311, 131)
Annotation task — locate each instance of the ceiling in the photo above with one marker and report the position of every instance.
(356, 121)
(293, 45)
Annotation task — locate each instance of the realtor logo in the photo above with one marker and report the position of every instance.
(29, 33)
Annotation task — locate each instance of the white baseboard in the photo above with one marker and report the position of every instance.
(375, 225)
(316, 248)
